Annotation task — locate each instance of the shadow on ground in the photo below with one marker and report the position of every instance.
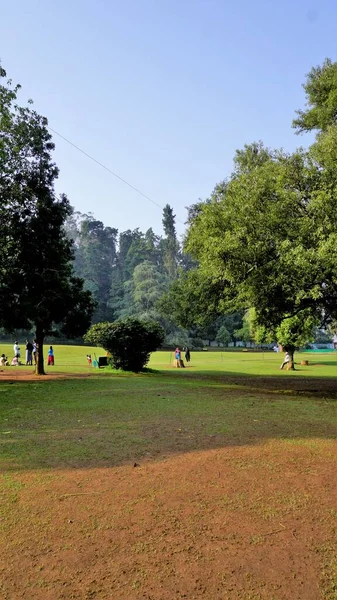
(109, 421)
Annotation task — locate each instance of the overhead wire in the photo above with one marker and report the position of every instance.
(135, 189)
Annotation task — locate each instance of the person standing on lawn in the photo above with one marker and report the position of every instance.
(34, 351)
(16, 350)
(29, 353)
(51, 356)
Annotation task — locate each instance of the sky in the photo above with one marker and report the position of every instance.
(162, 92)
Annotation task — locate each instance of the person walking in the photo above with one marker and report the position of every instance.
(29, 353)
(287, 360)
(34, 351)
(16, 350)
(187, 354)
(51, 356)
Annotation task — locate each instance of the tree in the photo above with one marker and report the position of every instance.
(270, 242)
(170, 245)
(243, 334)
(223, 336)
(267, 236)
(321, 95)
(37, 284)
(291, 333)
(148, 287)
(97, 248)
(130, 342)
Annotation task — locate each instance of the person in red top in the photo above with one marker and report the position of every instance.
(51, 356)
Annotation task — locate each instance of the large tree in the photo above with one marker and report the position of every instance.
(267, 237)
(37, 284)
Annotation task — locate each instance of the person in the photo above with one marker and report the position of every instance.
(178, 360)
(287, 360)
(34, 351)
(3, 361)
(16, 350)
(275, 348)
(29, 353)
(15, 361)
(89, 360)
(187, 354)
(51, 356)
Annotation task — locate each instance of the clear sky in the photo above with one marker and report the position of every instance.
(162, 91)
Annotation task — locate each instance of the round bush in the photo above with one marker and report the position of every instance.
(129, 341)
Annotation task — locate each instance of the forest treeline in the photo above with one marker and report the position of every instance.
(128, 273)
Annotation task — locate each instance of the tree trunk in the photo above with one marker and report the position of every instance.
(291, 351)
(39, 367)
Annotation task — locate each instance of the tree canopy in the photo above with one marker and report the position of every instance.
(267, 236)
(37, 282)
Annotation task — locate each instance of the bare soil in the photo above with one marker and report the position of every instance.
(17, 374)
(236, 523)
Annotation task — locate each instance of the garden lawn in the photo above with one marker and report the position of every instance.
(216, 481)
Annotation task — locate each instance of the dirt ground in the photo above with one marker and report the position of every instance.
(237, 523)
(17, 374)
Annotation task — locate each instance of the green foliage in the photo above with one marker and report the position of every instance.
(223, 336)
(270, 241)
(321, 95)
(170, 245)
(37, 283)
(130, 342)
(243, 334)
(266, 238)
(291, 333)
(297, 331)
(148, 286)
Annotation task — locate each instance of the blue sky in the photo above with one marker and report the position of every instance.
(162, 91)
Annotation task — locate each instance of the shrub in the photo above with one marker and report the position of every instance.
(129, 341)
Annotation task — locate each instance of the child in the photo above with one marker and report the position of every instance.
(51, 356)
(3, 361)
(89, 359)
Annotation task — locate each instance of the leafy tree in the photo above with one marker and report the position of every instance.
(243, 334)
(271, 241)
(148, 287)
(223, 336)
(97, 248)
(193, 299)
(321, 95)
(290, 333)
(37, 284)
(267, 237)
(130, 342)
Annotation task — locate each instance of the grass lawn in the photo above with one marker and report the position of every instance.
(231, 496)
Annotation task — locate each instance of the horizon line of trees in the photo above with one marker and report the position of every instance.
(258, 261)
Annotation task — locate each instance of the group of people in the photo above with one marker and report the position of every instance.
(31, 355)
(178, 359)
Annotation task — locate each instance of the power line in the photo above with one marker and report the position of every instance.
(108, 170)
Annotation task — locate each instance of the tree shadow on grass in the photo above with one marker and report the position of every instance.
(113, 421)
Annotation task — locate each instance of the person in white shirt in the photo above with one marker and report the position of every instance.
(3, 361)
(287, 360)
(16, 350)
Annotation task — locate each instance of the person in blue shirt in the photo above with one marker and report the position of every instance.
(51, 356)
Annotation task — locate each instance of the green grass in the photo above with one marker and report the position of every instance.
(113, 417)
(72, 359)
